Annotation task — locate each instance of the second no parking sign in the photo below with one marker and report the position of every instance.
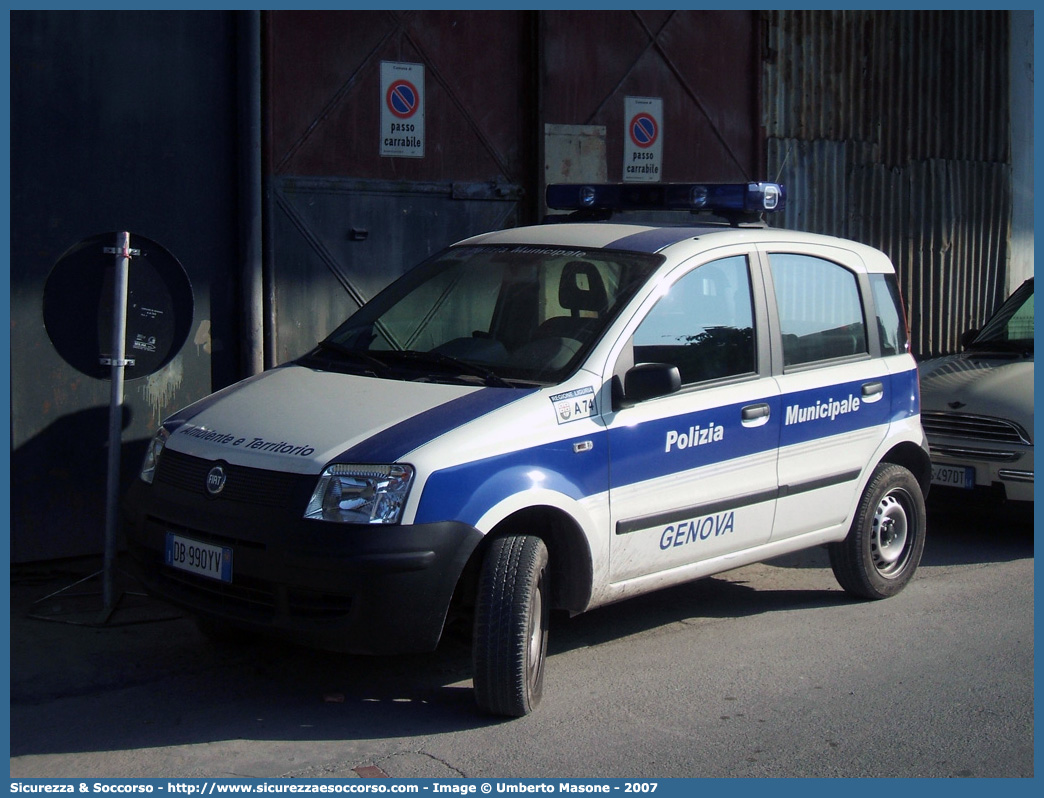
(643, 139)
(402, 110)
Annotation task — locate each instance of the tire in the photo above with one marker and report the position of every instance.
(509, 646)
(885, 542)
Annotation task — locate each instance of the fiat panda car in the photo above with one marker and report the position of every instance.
(559, 416)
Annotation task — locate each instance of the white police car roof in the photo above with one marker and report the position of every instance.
(649, 238)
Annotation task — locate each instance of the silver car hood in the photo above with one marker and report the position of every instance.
(982, 384)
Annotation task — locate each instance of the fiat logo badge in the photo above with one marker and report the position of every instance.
(216, 478)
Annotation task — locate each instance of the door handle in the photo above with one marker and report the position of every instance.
(872, 391)
(755, 415)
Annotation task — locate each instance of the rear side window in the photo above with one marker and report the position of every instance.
(820, 313)
(704, 325)
(891, 322)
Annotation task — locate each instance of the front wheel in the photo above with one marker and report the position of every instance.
(886, 539)
(510, 638)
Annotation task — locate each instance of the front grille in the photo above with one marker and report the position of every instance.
(246, 485)
(968, 453)
(260, 598)
(246, 596)
(973, 428)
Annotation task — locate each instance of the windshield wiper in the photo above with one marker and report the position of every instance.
(447, 362)
(351, 354)
(491, 378)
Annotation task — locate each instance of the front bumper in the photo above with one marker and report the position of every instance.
(1006, 472)
(363, 589)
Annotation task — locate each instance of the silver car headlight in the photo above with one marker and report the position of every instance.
(152, 455)
(361, 494)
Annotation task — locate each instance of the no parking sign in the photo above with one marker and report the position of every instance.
(643, 139)
(402, 110)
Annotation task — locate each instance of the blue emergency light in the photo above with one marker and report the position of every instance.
(722, 198)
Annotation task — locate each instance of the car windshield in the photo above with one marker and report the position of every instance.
(1011, 327)
(492, 315)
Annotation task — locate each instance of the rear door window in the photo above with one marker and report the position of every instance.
(820, 312)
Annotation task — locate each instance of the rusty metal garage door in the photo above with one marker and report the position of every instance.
(704, 65)
(345, 220)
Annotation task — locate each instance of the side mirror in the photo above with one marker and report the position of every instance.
(649, 381)
(967, 337)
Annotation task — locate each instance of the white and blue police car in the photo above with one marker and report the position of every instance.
(552, 417)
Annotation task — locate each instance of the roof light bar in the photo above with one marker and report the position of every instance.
(726, 198)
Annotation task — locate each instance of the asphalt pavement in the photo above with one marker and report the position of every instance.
(768, 670)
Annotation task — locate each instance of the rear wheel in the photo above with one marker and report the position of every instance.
(510, 638)
(886, 539)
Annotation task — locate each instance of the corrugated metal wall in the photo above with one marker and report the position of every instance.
(893, 129)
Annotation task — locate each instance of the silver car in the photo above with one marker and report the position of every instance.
(977, 406)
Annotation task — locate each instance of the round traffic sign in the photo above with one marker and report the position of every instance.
(79, 306)
(403, 99)
(644, 130)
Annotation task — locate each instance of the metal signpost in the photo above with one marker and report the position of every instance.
(117, 364)
(76, 305)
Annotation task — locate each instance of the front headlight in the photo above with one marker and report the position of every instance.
(152, 455)
(361, 494)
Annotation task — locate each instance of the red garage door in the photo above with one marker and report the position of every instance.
(346, 219)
